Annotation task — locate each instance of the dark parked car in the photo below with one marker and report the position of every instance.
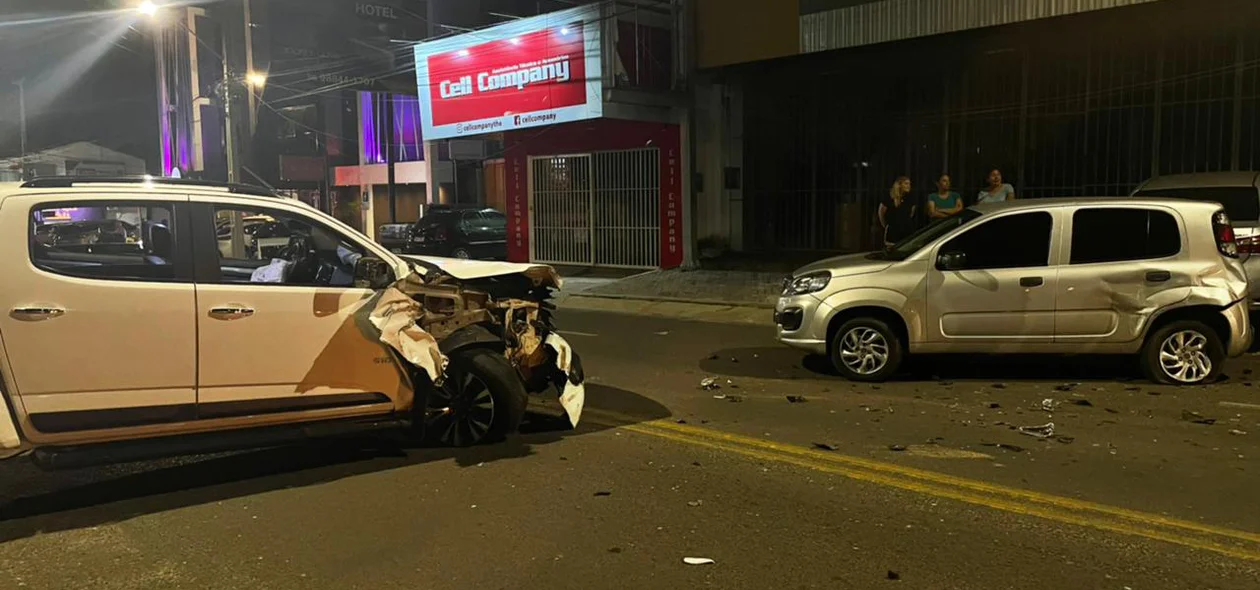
(460, 232)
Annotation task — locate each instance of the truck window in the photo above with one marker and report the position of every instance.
(106, 240)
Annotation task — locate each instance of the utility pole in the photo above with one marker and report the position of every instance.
(229, 135)
(21, 84)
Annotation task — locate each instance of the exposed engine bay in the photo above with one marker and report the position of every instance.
(433, 311)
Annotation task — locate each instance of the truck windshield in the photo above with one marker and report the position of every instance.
(928, 234)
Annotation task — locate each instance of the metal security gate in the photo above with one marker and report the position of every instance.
(600, 209)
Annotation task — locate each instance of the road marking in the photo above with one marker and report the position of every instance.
(1241, 405)
(568, 333)
(1225, 541)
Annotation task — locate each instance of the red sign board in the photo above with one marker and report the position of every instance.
(526, 73)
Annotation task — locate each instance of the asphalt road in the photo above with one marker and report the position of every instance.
(927, 480)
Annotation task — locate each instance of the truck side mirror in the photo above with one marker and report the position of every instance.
(372, 273)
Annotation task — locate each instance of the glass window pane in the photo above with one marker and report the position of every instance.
(105, 240)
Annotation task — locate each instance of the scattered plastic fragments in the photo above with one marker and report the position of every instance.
(824, 446)
(698, 561)
(897, 448)
(796, 399)
(709, 384)
(1049, 405)
(1196, 418)
(1238, 432)
(1043, 431)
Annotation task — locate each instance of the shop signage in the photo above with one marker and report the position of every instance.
(375, 10)
(527, 73)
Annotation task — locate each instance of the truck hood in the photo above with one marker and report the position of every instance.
(847, 265)
(470, 270)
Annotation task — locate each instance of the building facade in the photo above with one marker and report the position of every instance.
(1066, 99)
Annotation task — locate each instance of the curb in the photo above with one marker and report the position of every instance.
(678, 310)
(712, 302)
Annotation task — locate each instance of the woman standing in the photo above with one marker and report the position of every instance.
(944, 202)
(896, 213)
(998, 191)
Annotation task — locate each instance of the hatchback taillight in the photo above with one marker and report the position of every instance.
(1224, 233)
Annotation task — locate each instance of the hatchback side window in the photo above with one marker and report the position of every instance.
(113, 240)
(1122, 234)
(267, 246)
(1015, 241)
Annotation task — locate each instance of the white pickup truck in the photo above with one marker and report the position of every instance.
(182, 338)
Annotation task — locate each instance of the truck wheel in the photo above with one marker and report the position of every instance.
(482, 400)
(1187, 352)
(866, 349)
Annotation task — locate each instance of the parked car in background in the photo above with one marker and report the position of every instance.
(394, 236)
(460, 232)
(1157, 278)
(1239, 192)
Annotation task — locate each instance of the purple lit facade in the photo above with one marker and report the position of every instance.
(376, 110)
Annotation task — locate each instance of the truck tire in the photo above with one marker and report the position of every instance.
(482, 400)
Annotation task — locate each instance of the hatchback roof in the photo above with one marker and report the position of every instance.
(1201, 180)
(1086, 201)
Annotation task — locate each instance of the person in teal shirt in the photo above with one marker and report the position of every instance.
(944, 203)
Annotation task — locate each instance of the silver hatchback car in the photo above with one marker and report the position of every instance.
(1158, 278)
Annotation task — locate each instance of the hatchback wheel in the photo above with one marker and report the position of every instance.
(866, 349)
(1183, 353)
(481, 400)
(461, 252)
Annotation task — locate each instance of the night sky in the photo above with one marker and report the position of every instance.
(89, 76)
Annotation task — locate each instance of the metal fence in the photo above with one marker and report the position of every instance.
(1063, 108)
(599, 209)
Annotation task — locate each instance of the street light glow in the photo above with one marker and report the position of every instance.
(147, 8)
(256, 79)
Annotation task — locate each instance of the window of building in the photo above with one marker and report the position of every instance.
(1013, 241)
(1114, 235)
(106, 240)
(275, 247)
(1241, 203)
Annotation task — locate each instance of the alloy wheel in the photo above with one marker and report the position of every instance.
(864, 350)
(461, 411)
(1183, 357)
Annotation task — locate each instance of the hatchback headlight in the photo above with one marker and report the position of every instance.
(806, 283)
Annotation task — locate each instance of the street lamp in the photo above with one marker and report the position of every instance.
(256, 79)
(147, 8)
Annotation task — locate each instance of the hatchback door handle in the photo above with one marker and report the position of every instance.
(37, 313)
(1158, 276)
(1031, 282)
(231, 313)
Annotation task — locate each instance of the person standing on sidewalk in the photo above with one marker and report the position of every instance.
(998, 191)
(943, 203)
(897, 213)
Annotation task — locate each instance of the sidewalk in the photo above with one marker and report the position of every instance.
(725, 296)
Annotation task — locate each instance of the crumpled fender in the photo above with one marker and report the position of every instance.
(572, 387)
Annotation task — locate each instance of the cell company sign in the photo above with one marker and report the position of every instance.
(526, 73)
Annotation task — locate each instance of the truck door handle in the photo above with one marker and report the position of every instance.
(1031, 282)
(37, 313)
(1158, 276)
(231, 313)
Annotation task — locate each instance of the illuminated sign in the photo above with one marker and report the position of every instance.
(527, 73)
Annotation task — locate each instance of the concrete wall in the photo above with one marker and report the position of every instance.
(719, 140)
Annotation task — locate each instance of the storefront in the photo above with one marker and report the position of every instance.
(584, 181)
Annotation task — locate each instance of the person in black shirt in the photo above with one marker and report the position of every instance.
(897, 213)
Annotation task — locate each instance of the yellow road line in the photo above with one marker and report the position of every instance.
(940, 478)
(1250, 554)
(1014, 500)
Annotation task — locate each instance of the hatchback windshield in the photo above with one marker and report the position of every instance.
(928, 234)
